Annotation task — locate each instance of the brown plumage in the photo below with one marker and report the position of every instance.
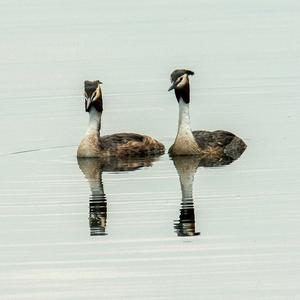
(219, 144)
(119, 144)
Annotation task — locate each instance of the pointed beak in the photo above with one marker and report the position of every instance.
(173, 86)
(88, 103)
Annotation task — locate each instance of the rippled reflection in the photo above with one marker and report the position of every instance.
(186, 167)
(92, 168)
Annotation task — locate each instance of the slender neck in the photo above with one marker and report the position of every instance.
(184, 118)
(94, 121)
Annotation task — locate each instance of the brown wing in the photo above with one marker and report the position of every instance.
(218, 138)
(225, 141)
(115, 140)
(131, 144)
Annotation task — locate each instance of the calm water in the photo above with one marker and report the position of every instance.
(73, 230)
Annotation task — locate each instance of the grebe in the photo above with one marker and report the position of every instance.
(119, 144)
(220, 144)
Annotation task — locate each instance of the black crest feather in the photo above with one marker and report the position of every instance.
(179, 72)
(90, 86)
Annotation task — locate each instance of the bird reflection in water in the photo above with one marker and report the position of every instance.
(186, 167)
(92, 168)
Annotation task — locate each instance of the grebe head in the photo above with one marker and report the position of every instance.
(93, 95)
(181, 85)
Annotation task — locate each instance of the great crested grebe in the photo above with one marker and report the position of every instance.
(219, 144)
(119, 144)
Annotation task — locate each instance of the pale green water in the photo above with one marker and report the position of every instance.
(245, 56)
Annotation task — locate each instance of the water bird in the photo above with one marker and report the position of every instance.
(219, 144)
(119, 144)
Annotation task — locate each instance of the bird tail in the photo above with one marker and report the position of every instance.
(235, 148)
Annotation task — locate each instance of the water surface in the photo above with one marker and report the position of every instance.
(139, 238)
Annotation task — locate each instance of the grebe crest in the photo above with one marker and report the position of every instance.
(93, 95)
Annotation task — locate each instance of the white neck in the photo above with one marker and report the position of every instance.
(184, 128)
(94, 122)
(185, 143)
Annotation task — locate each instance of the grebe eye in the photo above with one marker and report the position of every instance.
(179, 79)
